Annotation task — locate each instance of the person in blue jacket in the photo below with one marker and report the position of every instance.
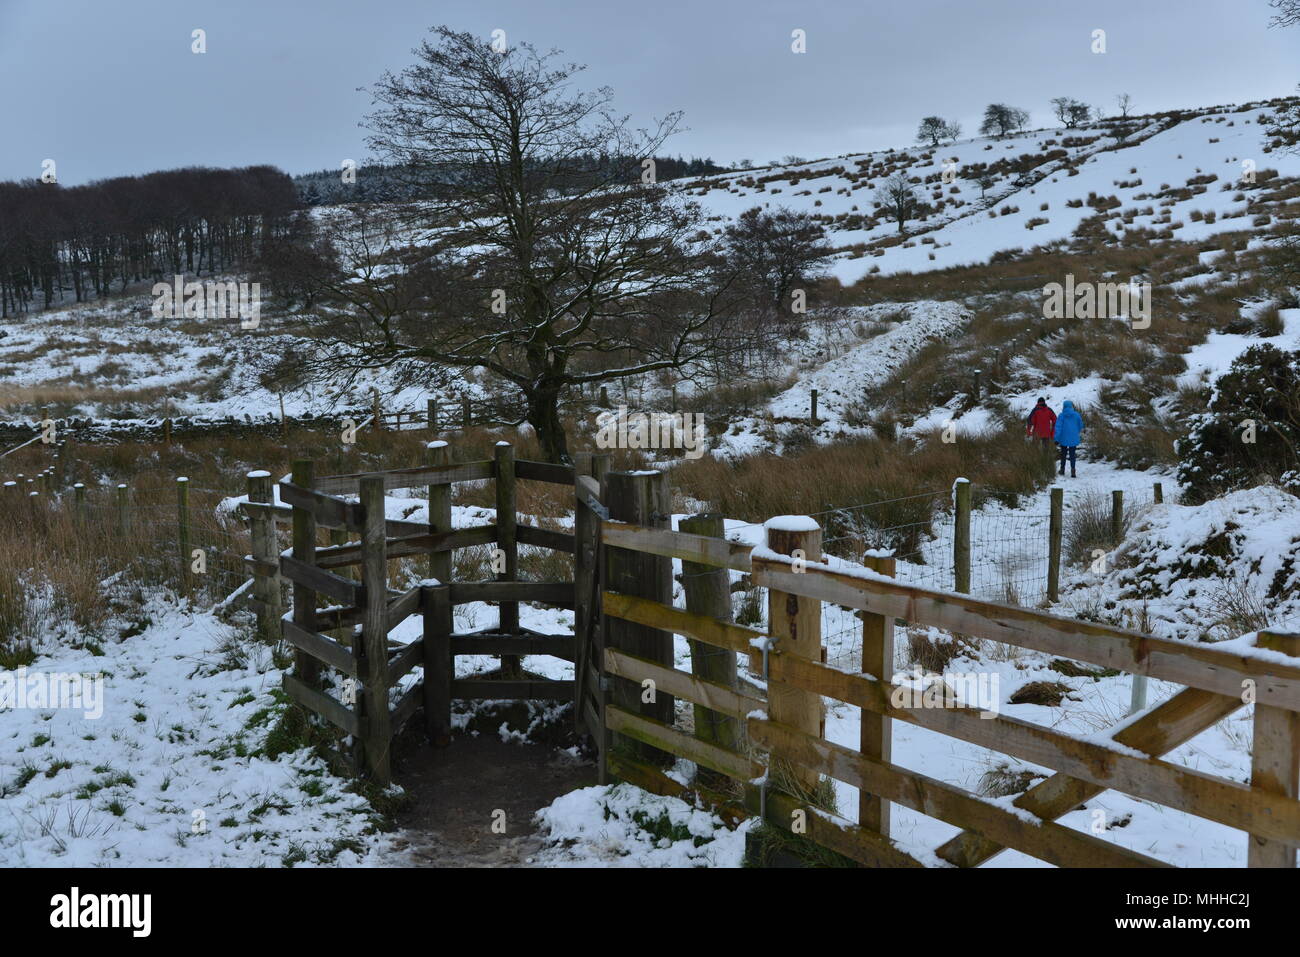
(1069, 426)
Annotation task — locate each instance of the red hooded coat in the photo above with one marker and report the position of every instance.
(1042, 422)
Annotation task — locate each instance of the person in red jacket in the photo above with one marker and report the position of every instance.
(1041, 424)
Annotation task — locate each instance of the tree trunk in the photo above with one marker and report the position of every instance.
(544, 416)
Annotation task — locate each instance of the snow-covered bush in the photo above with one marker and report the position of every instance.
(1251, 433)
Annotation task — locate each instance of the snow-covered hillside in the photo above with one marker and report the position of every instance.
(1180, 173)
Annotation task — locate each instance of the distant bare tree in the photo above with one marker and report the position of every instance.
(1125, 102)
(774, 252)
(935, 129)
(897, 195)
(1000, 119)
(1070, 111)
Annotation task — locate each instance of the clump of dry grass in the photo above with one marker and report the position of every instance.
(856, 471)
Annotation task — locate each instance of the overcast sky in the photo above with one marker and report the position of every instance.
(106, 88)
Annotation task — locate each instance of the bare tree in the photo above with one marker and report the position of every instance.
(771, 253)
(897, 195)
(1288, 13)
(547, 255)
(935, 129)
(1125, 102)
(1000, 119)
(1070, 111)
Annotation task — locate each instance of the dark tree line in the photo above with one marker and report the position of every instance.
(390, 183)
(83, 242)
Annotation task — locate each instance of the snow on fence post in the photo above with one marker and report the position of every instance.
(265, 552)
(708, 593)
(795, 626)
(376, 722)
(1116, 517)
(961, 536)
(1275, 758)
(876, 733)
(1054, 529)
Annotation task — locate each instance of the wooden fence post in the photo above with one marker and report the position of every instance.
(812, 412)
(1275, 758)
(1158, 493)
(1054, 530)
(167, 430)
(708, 592)
(640, 498)
(439, 453)
(438, 663)
(376, 731)
(431, 415)
(511, 665)
(1116, 517)
(466, 416)
(378, 420)
(604, 397)
(961, 536)
(587, 666)
(266, 551)
(975, 387)
(305, 667)
(183, 528)
(876, 734)
(123, 510)
(795, 625)
(79, 500)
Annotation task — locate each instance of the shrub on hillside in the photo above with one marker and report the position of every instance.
(1251, 432)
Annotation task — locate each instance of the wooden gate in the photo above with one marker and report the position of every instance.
(787, 753)
(346, 669)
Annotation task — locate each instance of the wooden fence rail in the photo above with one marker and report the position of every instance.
(786, 726)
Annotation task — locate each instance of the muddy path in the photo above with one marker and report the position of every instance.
(472, 802)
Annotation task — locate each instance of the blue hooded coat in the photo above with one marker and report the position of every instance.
(1069, 425)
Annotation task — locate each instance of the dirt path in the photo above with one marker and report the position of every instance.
(459, 791)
